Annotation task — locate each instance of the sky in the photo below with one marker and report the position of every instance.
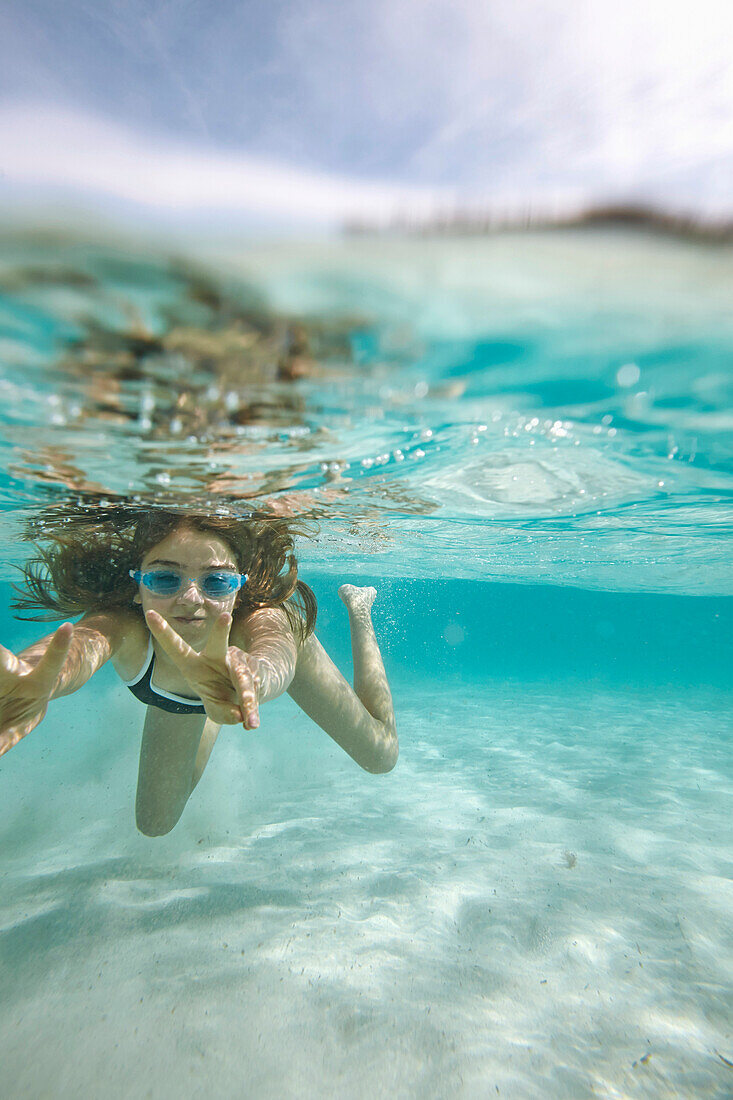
(325, 110)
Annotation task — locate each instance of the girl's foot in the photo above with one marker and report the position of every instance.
(357, 598)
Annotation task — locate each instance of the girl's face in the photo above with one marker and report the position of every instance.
(192, 554)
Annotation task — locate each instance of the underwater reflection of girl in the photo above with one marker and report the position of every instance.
(204, 618)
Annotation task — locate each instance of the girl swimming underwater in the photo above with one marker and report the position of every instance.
(204, 618)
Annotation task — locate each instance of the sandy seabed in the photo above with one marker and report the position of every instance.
(537, 903)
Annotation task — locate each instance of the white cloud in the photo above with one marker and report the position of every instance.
(74, 152)
(537, 98)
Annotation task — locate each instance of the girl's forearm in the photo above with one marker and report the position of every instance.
(267, 637)
(276, 656)
(88, 652)
(276, 671)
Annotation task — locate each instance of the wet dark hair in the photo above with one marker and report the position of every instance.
(84, 562)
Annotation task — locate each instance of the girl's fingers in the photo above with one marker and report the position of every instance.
(218, 642)
(179, 651)
(13, 734)
(207, 672)
(48, 668)
(9, 663)
(8, 739)
(247, 694)
(224, 714)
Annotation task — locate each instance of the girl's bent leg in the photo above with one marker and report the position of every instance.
(360, 720)
(370, 679)
(168, 767)
(206, 744)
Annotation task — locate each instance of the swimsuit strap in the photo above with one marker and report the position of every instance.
(143, 689)
(147, 666)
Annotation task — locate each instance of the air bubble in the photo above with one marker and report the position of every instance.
(628, 375)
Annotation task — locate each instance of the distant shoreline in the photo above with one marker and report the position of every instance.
(612, 216)
(87, 223)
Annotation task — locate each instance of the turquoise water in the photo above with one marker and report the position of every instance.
(524, 442)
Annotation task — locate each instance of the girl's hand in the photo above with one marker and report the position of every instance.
(25, 689)
(225, 677)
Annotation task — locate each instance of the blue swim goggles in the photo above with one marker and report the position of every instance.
(219, 584)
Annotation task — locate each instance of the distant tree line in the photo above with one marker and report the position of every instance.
(472, 223)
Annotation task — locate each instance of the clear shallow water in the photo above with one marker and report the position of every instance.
(538, 897)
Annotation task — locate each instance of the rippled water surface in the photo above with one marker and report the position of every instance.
(543, 408)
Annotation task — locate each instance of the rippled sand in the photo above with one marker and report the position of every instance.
(537, 902)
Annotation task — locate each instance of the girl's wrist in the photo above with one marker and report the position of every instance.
(264, 677)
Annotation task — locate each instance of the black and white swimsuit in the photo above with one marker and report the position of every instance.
(142, 688)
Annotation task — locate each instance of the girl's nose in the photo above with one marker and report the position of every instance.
(190, 592)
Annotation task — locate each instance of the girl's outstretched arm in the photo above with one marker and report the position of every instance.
(359, 719)
(58, 664)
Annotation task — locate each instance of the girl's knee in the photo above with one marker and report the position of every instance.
(152, 823)
(383, 761)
